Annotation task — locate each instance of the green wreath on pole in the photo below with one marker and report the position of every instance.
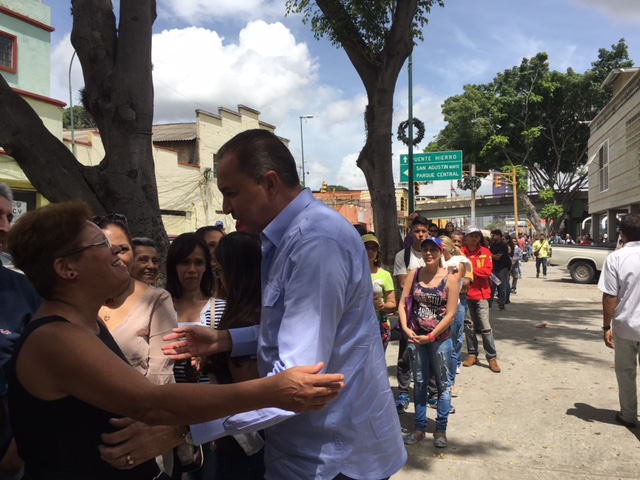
(402, 129)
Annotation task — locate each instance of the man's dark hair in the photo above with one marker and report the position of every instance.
(496, 232)
(630, 226)
(142, 242)
(361, 229)
(259, 151)
(420, 221)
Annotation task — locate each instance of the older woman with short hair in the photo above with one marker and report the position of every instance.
(146, 262)
(68, 377)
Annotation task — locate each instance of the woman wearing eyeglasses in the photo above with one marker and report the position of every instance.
(138, 316)
(68, 377)
(384, 295)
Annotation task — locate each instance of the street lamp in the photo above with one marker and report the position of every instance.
(304, 183)
(73, 136)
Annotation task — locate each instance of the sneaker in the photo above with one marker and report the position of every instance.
(402, 404)
(457, 369)
(440, 439)
(493, 366)
(622, 421)
(432, 402)
(544, 276)
(452, 410)
(410, 439)
(513, 291)
(454, 392)
(470, 361)
(537, 275)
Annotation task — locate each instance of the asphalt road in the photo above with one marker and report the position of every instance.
(550, 413)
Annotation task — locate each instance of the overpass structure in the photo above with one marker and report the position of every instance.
(486, 205)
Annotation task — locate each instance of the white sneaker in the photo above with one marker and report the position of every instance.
(457, 370)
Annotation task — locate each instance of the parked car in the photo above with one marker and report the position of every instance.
(583, 261)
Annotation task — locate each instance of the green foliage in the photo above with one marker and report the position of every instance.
(81, 118)
(370, 22)
(337, 188)
(546, 195)
(534, 118)
(552, 212)
(521, 176)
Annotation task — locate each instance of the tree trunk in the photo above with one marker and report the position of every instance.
(375, 160)
(532, 213)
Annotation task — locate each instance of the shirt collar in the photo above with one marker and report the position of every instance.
(279, 225)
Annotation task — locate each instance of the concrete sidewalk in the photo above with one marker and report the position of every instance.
(550, 413)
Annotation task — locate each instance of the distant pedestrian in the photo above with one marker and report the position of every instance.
(620, 285)
(541, 250)
(515, 266)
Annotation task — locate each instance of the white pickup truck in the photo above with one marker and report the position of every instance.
(583, 261)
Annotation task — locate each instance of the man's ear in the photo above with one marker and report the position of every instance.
(271, 183)
(64, 269)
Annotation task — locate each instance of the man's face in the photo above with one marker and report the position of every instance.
(247, 201)
(457, 240)
(495, 238)
(419, 233)
(6, 215)
(472, 240)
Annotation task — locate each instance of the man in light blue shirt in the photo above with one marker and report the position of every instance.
(317, 306)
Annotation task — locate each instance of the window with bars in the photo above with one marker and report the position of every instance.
(603, 164)
(7, 52)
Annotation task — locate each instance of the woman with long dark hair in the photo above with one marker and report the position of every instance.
(238, 256)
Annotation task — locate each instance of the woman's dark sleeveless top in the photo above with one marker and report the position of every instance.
(59, 439)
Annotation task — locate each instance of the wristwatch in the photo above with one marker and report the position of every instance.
(606, 328)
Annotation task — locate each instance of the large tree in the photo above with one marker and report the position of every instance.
(535, 118)
(116, 64)
(377, 37)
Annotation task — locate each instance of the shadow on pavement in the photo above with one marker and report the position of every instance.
(591, 414)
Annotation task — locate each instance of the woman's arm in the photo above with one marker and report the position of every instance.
(63, 359)
(162, 322)
(402, 313)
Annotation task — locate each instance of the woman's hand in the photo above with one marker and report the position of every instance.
(136, 441)
(378, 302)
(419, 339)
(303, 389)
(196, 341)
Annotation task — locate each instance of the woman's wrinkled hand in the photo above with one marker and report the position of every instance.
(136, 441)
(304, 389)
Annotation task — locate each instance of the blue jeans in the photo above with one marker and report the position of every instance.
(437, 357)
(457, 335)
(479, 318)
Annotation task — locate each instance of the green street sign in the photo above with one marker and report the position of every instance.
(432, 166)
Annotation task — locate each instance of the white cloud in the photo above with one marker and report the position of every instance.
(624, 11)
(200, 12)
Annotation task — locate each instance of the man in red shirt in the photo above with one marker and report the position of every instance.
(478, 295)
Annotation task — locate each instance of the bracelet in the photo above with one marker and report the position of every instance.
(431, 337)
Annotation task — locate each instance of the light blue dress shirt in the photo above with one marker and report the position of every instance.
(317, 306)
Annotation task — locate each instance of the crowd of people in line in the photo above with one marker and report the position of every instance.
(258, 337)
(264, 355)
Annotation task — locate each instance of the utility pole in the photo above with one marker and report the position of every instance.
(472, 174)
(412, 200)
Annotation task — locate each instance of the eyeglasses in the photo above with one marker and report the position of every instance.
(103, 243)
(371, 248)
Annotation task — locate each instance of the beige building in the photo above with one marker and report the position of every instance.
(614, 153)
(184, 156)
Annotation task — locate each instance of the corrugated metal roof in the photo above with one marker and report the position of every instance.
(174, 132)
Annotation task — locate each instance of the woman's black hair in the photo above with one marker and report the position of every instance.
(113, 220)
(180, 249)
(239, 256)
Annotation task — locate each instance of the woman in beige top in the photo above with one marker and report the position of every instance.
(140, 315)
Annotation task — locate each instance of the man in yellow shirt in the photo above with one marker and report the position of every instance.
(541, 250)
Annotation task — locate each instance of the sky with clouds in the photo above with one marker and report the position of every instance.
(209, 54)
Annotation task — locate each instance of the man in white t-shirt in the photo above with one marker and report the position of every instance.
(620, 285)
(409, 258)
